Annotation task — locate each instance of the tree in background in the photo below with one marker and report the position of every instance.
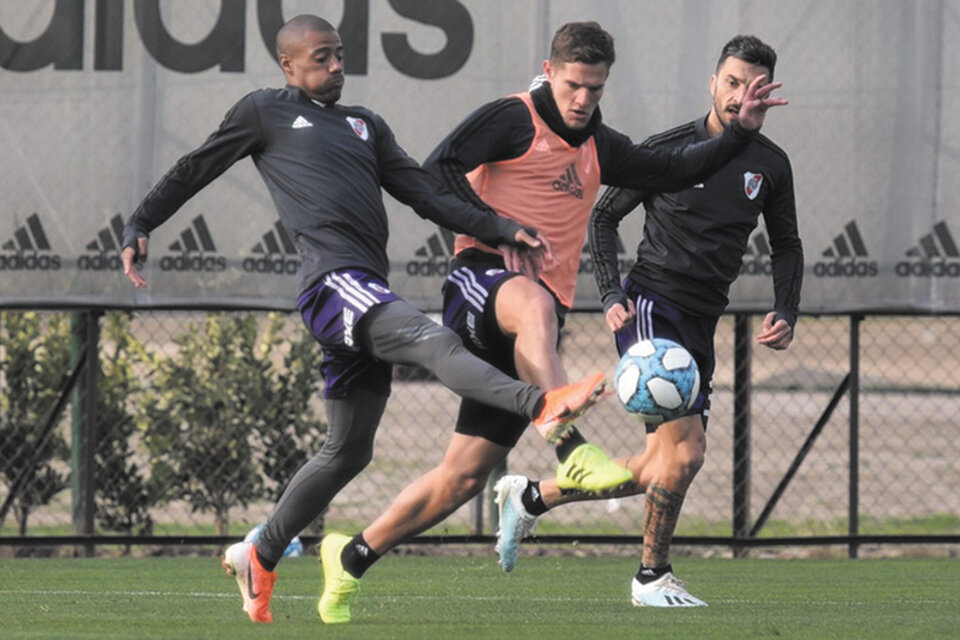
(290, 431)
(34, 366)
(124, 496)
(228, 408)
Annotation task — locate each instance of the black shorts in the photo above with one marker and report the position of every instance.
(658, 318)
(469, 309)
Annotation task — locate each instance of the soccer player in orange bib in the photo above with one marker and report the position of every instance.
(539, 158)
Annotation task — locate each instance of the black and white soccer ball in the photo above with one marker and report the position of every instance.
(657, 380)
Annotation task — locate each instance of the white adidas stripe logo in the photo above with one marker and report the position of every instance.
(301, 122)
(351, 290)
(472, 292)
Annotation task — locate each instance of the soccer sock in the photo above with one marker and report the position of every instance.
(267, 565)
(357, 556)
(649, 574)
(532, 499)
(568, 442)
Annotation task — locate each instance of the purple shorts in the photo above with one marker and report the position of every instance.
(658, 318)
(465, 294)
(332, 309)
(468, 309)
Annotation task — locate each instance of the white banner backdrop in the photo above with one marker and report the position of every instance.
(99, 99)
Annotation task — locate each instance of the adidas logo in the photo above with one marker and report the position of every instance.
(276, 251)
(624, 261)
(569, 181)
(847, 257)
(577, 474)
(26, 245)
(193, 246)
(301, 123)
(104, 251)
(756, 257)
(189, 238)
(936, 255)
(433, 258)
(847, 244)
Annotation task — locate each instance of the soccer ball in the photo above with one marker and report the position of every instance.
(294, 549)
(657, 380)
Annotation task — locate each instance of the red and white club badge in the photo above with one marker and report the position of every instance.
(751, 184)
(359, 127)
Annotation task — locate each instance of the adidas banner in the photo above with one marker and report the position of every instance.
(100, 98)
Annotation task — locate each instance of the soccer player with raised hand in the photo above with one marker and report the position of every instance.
(692, 249)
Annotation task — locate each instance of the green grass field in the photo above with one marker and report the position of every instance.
(551, 597)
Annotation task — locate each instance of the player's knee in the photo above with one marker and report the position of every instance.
(687, 463)
(347, 461)
(693, 462)
(538, 315)
(471, 485)
(541, 308)
(464, 484)
(438, 345)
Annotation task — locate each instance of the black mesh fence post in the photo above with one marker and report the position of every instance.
(84, 347)
(853, 516)
(741, 430)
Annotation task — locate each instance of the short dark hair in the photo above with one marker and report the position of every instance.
(585, 42)
(750, 49)
(295, 27)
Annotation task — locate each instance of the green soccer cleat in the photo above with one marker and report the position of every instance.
(339, 587)
(588, 468)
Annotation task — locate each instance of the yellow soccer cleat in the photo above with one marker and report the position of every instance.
(339, 587)
(588, 468)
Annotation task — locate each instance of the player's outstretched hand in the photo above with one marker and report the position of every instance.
(530, 256)
(756, 101)
(617, 316)
(132, 259)
(776, 334)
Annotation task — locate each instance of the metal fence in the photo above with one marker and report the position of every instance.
(193, 422)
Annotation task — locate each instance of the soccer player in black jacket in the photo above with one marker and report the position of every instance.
(692, 247)
(324, 165)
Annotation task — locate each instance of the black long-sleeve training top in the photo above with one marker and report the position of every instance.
(694, 240)
(324, 167)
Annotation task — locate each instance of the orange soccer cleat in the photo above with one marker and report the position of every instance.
(255, 582)
(565, 404)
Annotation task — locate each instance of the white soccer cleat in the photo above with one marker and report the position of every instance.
(666, 591)
(515, 522)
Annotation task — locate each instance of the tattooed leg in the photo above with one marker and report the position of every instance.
(659, 521)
